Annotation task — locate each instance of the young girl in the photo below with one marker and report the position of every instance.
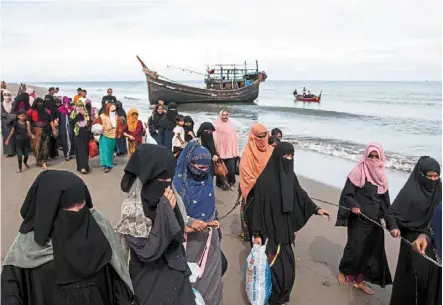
(22, 138)
(178, 140)
(133, 130)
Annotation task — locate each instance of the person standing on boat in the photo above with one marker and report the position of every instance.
(304, 91)
(154, 121)
(167, 125)
(366, 191)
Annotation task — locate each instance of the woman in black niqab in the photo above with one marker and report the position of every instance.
(167, 124)
(153, 230)
(205, 133)
(149, 163)
(414, 206)
(279, 209)
(57, 209)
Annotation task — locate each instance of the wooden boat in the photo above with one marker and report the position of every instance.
(308, 99)
(224, 84)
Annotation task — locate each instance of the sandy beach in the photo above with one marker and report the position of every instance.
(318, 246)
(318, 249)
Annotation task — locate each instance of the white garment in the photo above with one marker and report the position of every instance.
(113, 118)
(178, 130)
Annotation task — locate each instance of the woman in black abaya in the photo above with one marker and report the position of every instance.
(414, 206)
(366, 191)
(152, 229)
(121, 145)
(280, 208)
(66, 252)
(206, 139)
(166, 125)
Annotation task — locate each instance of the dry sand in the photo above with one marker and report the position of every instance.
(318, 248)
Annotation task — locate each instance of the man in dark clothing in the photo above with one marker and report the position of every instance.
(109, 98)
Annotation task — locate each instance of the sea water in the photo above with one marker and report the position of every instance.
(405, 117)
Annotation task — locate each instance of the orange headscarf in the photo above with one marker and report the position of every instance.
(254, 159)
(131, 120)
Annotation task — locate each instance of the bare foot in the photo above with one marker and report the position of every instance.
(27, 166)
(363, 286)
(67, 158)
(44, 166)
(341, 278)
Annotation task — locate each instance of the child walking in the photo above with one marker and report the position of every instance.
(178, 140)
(22, 140)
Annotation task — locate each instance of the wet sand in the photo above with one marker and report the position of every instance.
(319, 244)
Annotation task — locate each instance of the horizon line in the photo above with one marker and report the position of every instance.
(193, 80)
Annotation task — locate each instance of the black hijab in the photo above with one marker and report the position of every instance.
(415, 204)
(281, 206)
(168, 121)
(80, 247)
(207, 138)
(23, 98)
(276, 131)
(149, 163)
(40, 107)
(119, 109)
(188, 128)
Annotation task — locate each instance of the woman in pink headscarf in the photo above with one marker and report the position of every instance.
(366, 192)
(226, 141)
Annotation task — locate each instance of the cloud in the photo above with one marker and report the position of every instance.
(308, 39)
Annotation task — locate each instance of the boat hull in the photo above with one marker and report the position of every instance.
(314, 99)
(160, 89)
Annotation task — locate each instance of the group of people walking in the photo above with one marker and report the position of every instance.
(166, 248)
(55, 123)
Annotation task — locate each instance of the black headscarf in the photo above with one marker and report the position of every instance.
(40, 107)
(276, 131)
(23, 98)
(188, 128)
(415, 204)
(119, 109)
(80, 247)
(207, 138)
(281, 206)
(149, 163)
(168, 121)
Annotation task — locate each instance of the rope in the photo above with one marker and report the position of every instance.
(380, 225)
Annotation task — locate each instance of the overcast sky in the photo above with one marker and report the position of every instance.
(293, 40)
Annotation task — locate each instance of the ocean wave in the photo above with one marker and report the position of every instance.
(132, 98)
(351, 151)
(424, 102)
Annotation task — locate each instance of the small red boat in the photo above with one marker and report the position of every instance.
(308, 98)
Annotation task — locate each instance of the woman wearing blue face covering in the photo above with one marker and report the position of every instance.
(195, 187)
